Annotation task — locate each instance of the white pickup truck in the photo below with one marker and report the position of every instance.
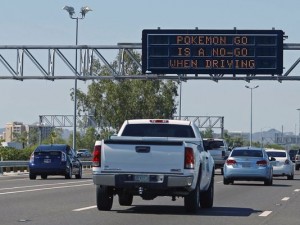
(151, 158)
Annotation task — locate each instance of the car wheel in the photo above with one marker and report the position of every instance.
(104, 198)
(291, 177)
(68, 174)
(226, 181)
(268, 182)
(79, 175)
(207, 197)
(32, 176)
(44, 176)
(192, 200)
(125, 199)
(297, 167)
(222, 171)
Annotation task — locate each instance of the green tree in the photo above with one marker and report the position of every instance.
(234, 141)
(85, 140)
(113, 101)
(21, 138)
(55, 137)
(208, 133)
(33, 136)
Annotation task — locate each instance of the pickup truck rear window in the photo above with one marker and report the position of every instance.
(158, 130)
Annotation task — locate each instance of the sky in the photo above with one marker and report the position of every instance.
(36, 22)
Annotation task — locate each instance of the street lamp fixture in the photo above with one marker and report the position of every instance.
(251, 88)
(84, 10)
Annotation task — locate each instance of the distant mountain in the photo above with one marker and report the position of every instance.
(2, 130)
(267, 136)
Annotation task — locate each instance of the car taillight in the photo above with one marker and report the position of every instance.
(31, 160)
(230, 162)
(97, 156)
(63, 157)
(261, 163)
(297, 157)
(287, 162)
(189, 158)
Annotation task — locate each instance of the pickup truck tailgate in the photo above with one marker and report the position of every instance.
(143, 156)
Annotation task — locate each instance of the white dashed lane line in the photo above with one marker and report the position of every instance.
(265, 213)
(85, 208)
(285, 199)
(42, 189)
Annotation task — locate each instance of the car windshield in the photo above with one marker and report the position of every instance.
(247, 152)
(276, 154)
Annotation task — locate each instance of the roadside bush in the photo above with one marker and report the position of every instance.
(7, 153)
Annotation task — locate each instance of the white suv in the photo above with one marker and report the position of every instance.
(218, 149)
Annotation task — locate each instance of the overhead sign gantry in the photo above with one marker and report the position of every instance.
(212, 51)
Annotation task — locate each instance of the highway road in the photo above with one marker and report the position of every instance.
(57, 201)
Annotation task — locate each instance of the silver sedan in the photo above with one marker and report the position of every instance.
(248, 164)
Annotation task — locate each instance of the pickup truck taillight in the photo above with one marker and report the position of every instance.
(97, 156)
(189, 158)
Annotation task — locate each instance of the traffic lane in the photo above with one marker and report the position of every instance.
(75, 204)
(254, 200)
(227, 210)
(21, 179)
(44, 201)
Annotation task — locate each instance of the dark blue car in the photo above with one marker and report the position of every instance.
(55, 159)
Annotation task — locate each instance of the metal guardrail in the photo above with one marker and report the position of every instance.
(14, 165)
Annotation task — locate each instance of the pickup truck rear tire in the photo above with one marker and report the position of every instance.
(125, 199)
(192, 200)
(104, 198)
(207, 197)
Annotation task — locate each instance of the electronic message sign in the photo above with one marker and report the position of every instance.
(212, 51)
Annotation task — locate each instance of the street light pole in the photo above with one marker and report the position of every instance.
(251, 89)
(84, 10)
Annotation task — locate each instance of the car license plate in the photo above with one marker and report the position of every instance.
(47, 160)
(246, 164)
(141, 178)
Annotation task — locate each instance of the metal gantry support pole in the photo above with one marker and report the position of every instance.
(251, 89)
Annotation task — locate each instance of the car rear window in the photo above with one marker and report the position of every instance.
(276, 154)
(246, 152)
(212, 144)
(50, 153)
